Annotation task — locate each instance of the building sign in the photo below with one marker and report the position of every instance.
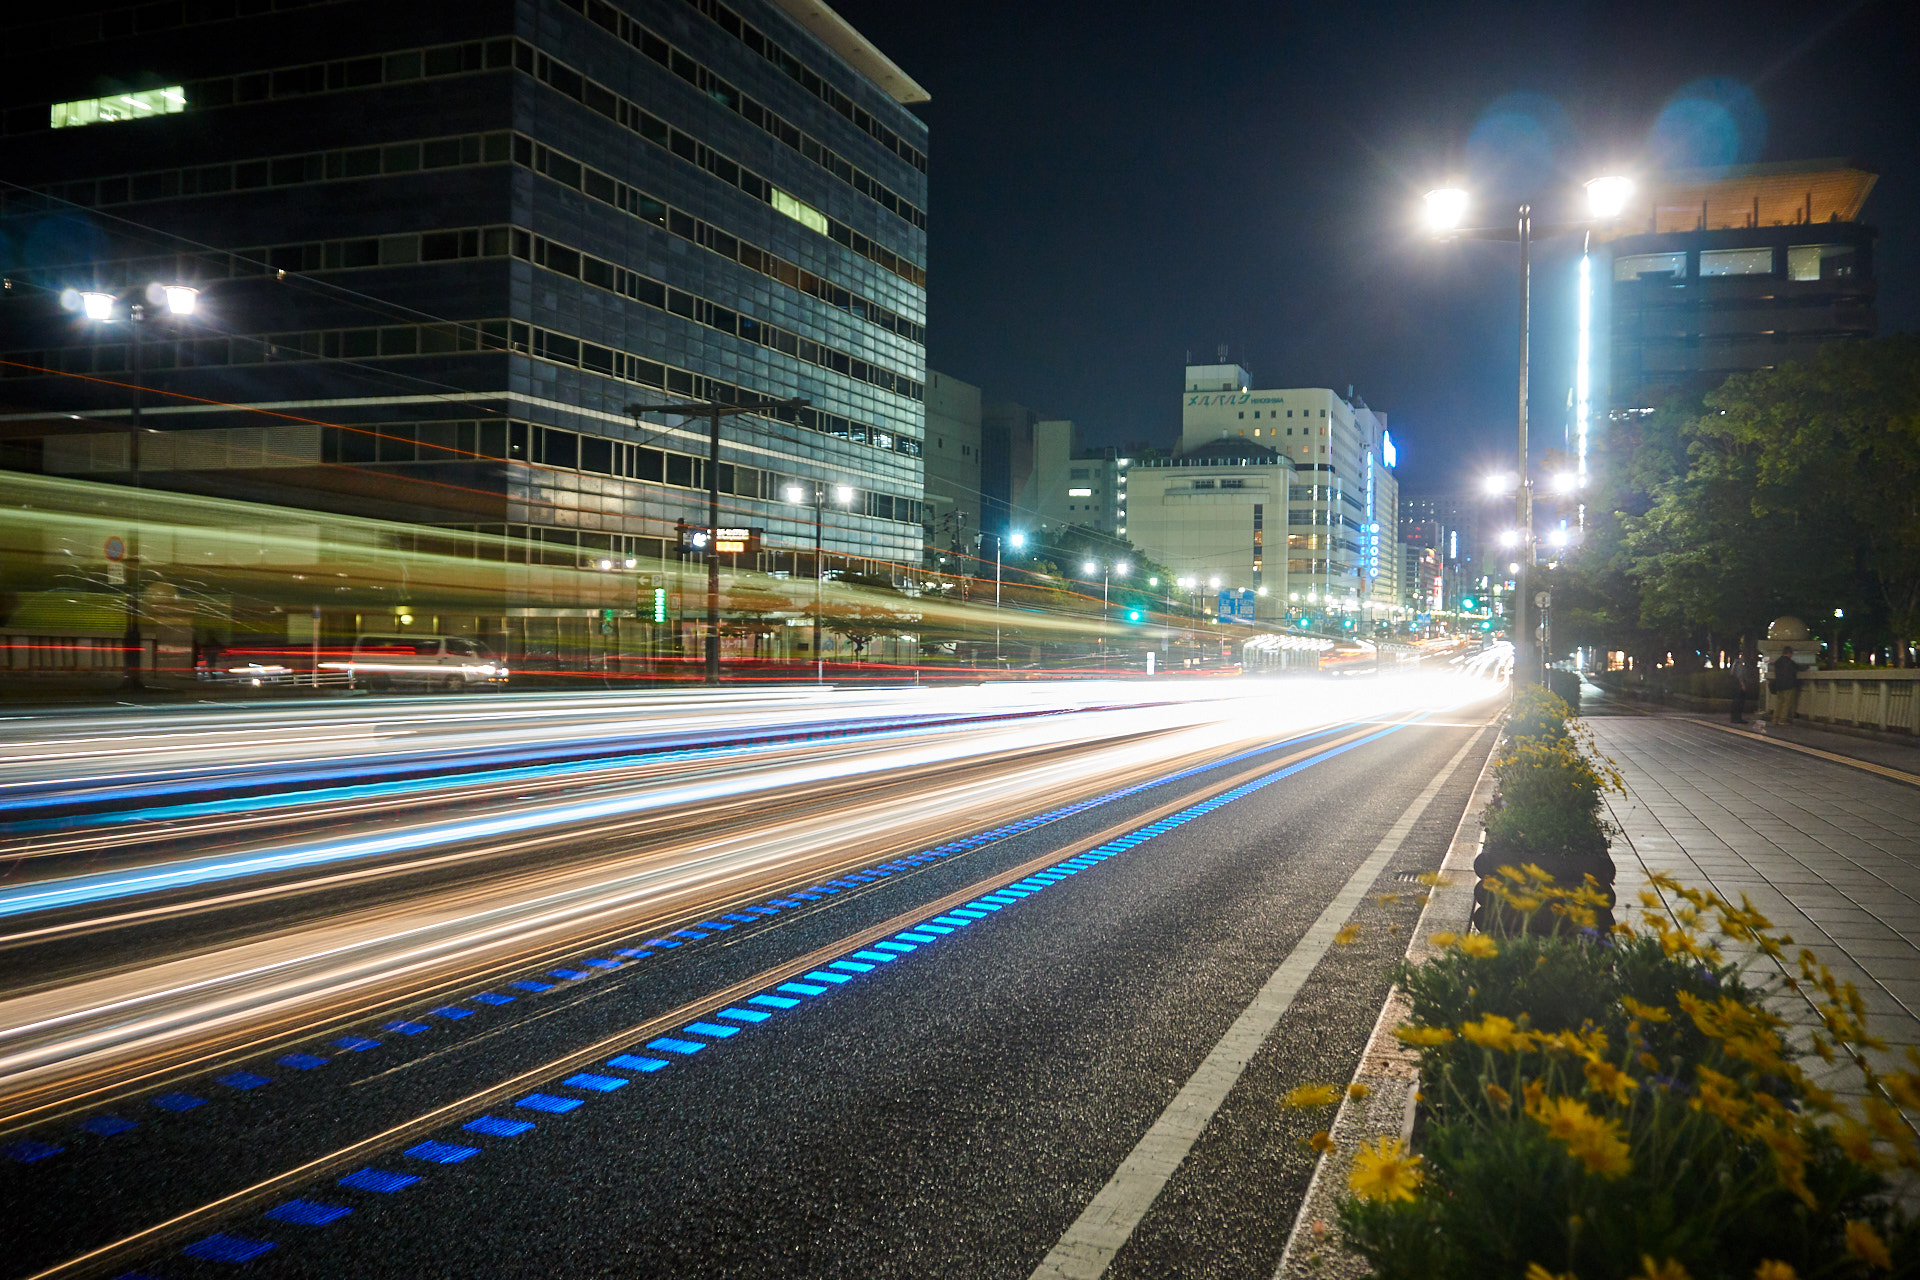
(1370, 563)
(726, 541)
(1389, 452)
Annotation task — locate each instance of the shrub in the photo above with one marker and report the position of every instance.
(1623, 1104)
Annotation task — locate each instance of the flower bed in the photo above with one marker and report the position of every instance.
(1608, 1101)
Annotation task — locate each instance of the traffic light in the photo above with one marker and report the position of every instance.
(1468, 603)
(1135, 615)
(659, 604)
(606, 622)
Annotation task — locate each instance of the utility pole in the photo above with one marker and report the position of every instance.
(714, 411)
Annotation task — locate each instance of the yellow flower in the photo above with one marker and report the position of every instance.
(1443, 938)
(1772, 1270)
(1407, 1033)
(1668, 1270)
(1904, 1087)
(1322, 1142)
(1865, 1244)
(1537, 1272)
(1311, 1095)
(1856, 1140)
(1345, 937)
(1605, 1078)
(1356, 1090)
(1382, 1170)
(1433, 879)
(1590, 1139)
(1498, 1096)
(1478, 944)
(1644, 1012)
(1497, 1033)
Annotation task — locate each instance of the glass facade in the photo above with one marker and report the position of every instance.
(477, 224)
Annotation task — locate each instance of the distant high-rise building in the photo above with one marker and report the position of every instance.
(1718, 271)
(953, 511)
(450, 245)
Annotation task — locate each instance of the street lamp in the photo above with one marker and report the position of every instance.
(843, 495)
(1016, 541)
(1446, 209)
(98, 307)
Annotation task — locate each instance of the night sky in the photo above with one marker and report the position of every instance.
(1115, 186)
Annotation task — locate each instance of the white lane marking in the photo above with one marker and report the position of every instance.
(1087, 1249)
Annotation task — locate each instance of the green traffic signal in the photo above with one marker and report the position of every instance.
(1467, 603)
(1134, 615)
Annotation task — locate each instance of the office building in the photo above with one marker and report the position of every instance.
(1204, 514)
(441, 250)
(1343, 499)
(953, 502)
(1721, 271)
(1075, 487)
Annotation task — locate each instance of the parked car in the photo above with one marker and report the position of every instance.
(422, 662)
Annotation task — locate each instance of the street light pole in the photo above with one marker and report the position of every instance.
(1446, 206)
(714, 411)
(1525, 668)
(819, 576)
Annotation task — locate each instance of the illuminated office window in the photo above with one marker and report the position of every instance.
(120, 106)
(800, 211)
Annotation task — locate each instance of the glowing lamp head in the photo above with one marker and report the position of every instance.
(1446, 207)
(1557, 538)
(1122, 569)
(843, 494)
(1016, 540)
(98, 306)
(795, 493)
(1510, 537)
(1499, 484)
(606, 564)
(1089, 568)
(180, 299)
(1607, 197)
(1214, 583)
(1566, 482)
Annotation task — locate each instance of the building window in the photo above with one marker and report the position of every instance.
(1819, 261)
(120, 106)
(1079, 493)
(799, 210)
(1203, 484)
(1634, 266)
(1736, 262)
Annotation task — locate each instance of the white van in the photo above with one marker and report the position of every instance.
(424, 662)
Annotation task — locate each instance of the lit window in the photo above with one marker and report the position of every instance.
(1819, 261)
(120, 106)
(1079, 493)
(799, 210)
(1736, 262)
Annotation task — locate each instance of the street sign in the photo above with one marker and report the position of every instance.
(1236, 606)
(1543, 600)
(116, 549)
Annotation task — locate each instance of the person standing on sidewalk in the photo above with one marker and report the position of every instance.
(1785, 686)
(1744, 683)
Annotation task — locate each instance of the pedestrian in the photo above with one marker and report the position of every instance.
(1744, 686)
(1784, 684)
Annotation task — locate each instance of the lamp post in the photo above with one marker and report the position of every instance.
(714, 411)
(1446, 207)
(179, 300)
(844, 496)
(1018, 540)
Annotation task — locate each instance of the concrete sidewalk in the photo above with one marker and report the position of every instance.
(1826, 848)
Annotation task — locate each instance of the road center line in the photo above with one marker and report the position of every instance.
(1109, 1220)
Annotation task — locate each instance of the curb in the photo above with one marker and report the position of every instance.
(1389, 1069)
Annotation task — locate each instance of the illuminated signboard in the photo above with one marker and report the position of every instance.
(1389, 452)
(726, 541)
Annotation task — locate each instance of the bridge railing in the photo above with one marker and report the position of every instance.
(1885, 700)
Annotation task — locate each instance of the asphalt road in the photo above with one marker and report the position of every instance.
(950, 1110)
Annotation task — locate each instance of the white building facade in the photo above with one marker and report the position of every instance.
(1342, 507)
(1206, 516)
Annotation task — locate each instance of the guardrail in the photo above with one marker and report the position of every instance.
(1884, 700)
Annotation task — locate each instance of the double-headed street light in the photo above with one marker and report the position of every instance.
(1107, 573)
(843, 495)
(102, 308)
(1446, 210)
